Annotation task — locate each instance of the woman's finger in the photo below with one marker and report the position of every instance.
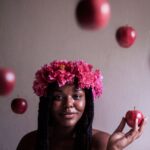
(136, 131)
(142, 126)
(121, 125)
(144, 122)
(136, 126)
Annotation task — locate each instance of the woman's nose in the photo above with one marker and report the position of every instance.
(69, 101)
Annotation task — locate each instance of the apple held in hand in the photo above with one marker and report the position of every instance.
(131, 116)
(7, 81)
(126, 36)
(19, 105)
(93, 14)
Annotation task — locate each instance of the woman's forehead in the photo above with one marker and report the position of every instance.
(68, 87)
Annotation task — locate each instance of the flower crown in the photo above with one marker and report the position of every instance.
(64, 72)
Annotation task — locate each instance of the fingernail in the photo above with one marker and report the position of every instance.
(123, 118)
(137, 120)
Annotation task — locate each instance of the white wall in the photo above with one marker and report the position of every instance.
(35, 32)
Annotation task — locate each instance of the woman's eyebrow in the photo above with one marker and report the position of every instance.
(78, 89)
(58, 90)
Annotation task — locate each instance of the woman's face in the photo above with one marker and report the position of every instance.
(68, 105)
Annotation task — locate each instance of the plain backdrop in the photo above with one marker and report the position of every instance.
(35, 32)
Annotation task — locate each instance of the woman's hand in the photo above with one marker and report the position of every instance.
(119, 140)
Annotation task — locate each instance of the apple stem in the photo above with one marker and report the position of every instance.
(134, 107)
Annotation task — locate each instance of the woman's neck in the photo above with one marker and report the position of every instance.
(60, 132)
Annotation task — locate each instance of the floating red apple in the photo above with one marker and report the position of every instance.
(93, 14)
(19, 105)
(126, 36)
(131, 116)
(7, 81)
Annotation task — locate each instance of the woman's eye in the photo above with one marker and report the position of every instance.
(77, 96)
(58, 97)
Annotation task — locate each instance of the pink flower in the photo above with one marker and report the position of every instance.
(64, 72)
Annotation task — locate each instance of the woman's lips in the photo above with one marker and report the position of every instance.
(69, 115)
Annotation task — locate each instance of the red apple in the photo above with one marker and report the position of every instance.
(131, 116)
(126, 36)
(19, 105)
(7, 81)
(93, 14)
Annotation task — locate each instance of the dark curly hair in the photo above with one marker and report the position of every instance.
(83, 130)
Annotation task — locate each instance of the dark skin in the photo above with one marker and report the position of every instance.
(67, 109)
(100, 139)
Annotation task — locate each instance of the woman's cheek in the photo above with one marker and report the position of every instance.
(56, 105)
(81, 105)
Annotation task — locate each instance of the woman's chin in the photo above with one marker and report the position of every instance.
(68, 123)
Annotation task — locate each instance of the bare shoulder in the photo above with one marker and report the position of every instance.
(99, 139)
(28, 141)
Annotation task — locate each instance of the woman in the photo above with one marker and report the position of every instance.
(67, 90)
